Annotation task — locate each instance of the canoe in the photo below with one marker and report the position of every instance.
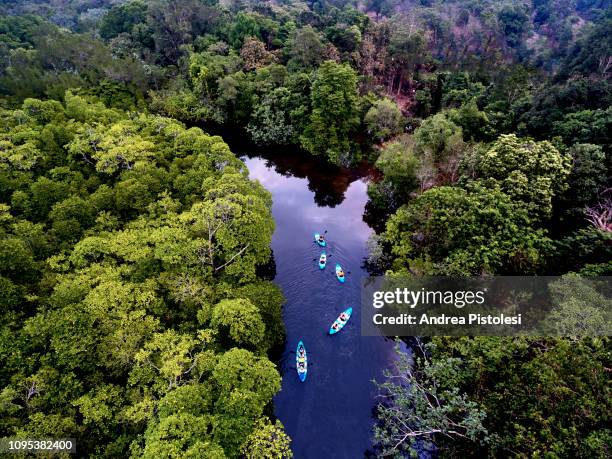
(322, 260)
(340, 322)
(321, 243)
(302, 371)
(338, 269)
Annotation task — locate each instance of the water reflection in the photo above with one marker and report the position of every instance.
(328, 182)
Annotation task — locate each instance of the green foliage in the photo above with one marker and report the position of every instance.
(528, 171)
(586, 126)
(589, 54)
(129, 243)
(128, 285)
(438, 137)
(584, 247)
(421, 406)
(122, 18)
(542, 397)
(346, 38)
(514, 23)
(334, 113)
(270, 122)
(547, 107)
(384, 119)
(238, 323)
(398, 164)
(473, 122)
(244, 25)
(44, 60)
(587, 180)
(580, 308)
(268, 441)
(306, 50)
(451, 230)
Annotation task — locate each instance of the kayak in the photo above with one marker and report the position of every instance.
(322, 260)
(301, 371)
(340, 322)
(338, 269)
(322, 243)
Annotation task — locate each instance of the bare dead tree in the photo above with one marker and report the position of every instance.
(31, 389)
(600, 215)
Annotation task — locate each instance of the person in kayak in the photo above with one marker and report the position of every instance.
(321, 238)
(344, 317)
(335, 326)
(340, 273)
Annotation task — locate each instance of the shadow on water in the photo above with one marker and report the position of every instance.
(329, 415)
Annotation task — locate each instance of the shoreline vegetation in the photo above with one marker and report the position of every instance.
(135, 310)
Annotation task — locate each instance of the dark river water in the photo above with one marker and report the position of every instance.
(331, 414)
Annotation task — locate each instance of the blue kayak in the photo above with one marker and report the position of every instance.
(339, 271)
(322, 260)
(301, 361)
(340, 322)
(322, 243)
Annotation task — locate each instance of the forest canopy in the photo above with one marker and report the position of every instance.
(137, 311)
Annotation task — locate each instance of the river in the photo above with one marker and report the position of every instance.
(330, 415)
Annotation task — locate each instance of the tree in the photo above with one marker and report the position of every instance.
(586, 181)
(586, 126)
(436, 136)
(580, 308)
(254, 54)
(122, 18)
(451, 230)
(181, 435)
(247, 384)
(268, 441)
(514, 23)
(238, 323)
(346, 39)
(306, 50)
(141, 238)
(398, 164)
(334, 112)
(590, 54)
(177, 24)
(406, 51)
(268, 299)
(528, 171)
(473, 122)
(270, 122)
(548, 381)
(245, 25)
(440, 146)
(419, 405)
(113, 149)
(384, 119)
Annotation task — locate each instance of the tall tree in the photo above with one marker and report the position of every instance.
(334, 114)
